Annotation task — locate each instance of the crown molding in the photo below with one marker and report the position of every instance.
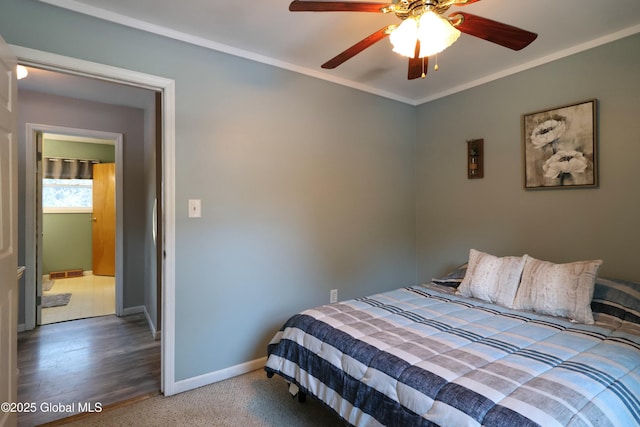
(213, 45)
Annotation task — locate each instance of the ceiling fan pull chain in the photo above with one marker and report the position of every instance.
(424, 74)
(435, 67)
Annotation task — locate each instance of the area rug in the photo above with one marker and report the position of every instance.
(47, 285)
(55, 300)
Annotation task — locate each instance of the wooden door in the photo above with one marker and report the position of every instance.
(104, 219)
(8, 234)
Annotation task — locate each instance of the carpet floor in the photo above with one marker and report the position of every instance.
(250, 400)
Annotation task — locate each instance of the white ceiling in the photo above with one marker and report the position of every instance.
(265, 31)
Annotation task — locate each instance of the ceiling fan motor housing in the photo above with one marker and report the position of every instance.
(404, 9)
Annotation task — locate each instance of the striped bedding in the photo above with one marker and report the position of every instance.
(423, 356)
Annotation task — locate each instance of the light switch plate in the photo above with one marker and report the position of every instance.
(195, 208)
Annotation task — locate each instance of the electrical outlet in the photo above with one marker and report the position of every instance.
(333, 296)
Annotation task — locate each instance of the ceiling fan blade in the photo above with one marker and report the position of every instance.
(335, 6)
(505, 35)
(417, 66)
(357, 48)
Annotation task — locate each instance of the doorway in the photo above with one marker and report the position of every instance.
(134, 131)
(165, 89)
(35, 245)
(76, 207)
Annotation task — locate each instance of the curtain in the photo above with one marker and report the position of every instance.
(58, 168)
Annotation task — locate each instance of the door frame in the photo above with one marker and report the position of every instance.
(9, 244)
(33, 215)
(51, 61)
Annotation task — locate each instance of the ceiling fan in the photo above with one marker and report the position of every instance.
(424, 30)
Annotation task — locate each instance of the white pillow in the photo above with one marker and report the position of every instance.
(563, 290)
(491, 278)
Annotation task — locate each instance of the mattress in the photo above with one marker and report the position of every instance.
(424, 356)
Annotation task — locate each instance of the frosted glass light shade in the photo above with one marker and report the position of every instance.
(404, 37)
(434, 32)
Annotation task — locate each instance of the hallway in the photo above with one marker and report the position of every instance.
(85, 364)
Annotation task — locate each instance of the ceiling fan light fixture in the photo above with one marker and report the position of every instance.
(404, 37)
(435, 34)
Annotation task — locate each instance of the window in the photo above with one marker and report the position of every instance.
(67, 195)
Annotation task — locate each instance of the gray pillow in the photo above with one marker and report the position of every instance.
(491, 278)
(563, 290)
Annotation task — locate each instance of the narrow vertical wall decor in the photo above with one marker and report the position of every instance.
(475, 158)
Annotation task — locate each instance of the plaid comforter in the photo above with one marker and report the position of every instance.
(420, 357)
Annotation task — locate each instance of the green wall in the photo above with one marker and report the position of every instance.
(66, 242)
(106, 153)
(66, 238)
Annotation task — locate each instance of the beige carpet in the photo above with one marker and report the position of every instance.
(248, 400)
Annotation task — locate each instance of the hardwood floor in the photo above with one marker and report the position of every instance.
(90, 296)
(85, 364)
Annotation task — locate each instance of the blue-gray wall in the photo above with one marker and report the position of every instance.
(306, 186)
(496, 214)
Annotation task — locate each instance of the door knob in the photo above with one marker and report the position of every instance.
(94, 219)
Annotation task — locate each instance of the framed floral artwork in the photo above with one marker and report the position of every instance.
(560, 147)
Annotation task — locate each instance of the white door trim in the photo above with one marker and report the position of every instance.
(31, 274)
(41, 59)
(9, 235)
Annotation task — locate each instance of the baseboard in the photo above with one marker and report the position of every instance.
(217, 376)
(133, 310)
(22, 327)
(154, 333)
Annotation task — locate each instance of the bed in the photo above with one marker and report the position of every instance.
(480, 346)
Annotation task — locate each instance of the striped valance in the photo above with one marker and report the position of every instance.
(60, 168)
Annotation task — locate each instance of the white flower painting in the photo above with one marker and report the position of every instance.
(560, 147)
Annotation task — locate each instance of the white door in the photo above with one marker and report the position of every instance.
(8, 234)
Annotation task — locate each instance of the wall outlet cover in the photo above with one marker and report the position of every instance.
(333, 296)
